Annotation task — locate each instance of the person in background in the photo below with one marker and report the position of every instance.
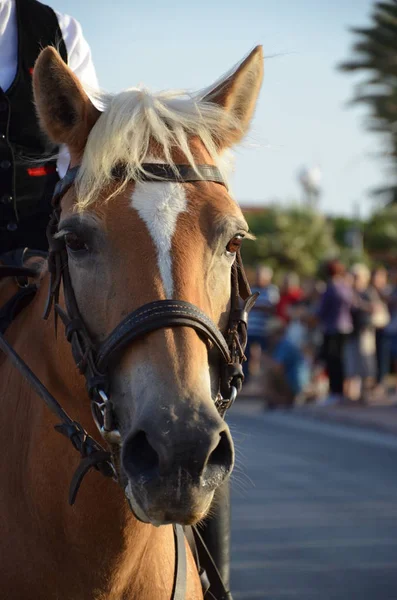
(334, 313)
(265, 307)
(290, 293)
(297, 329)
(27, 177)
(378, 294)
(286, 370)
(360, 348)
(312, 294)
(391, 328)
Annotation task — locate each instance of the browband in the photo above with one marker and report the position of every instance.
(153, 172)
(182, 173)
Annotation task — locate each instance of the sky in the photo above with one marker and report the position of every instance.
(302, 117)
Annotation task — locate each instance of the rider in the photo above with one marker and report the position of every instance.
(26, 182)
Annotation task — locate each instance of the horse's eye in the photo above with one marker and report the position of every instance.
(235, 244)
(74, 243)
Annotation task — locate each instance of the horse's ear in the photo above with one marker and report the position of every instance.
(65, 112)
(238, 94)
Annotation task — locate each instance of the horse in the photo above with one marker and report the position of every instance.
(130, 240)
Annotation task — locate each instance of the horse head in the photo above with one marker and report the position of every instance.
(130, 242)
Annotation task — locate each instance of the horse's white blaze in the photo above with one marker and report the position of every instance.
(159, 204)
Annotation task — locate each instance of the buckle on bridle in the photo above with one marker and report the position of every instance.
(102, 413)
(223, 404)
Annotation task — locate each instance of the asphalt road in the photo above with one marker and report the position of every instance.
(314, 510)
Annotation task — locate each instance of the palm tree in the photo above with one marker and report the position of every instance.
(376, 54)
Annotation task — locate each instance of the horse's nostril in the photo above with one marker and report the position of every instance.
(209, 456)
(139, 456)
(222, 455)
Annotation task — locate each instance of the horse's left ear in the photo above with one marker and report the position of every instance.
(238, 94)
(65, 112)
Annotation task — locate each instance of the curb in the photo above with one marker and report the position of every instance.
(341, 416)
(353, 420)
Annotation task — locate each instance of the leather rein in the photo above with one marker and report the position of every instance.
(94, 360)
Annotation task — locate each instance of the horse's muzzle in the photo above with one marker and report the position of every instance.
(175, 482)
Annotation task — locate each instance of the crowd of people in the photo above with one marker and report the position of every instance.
(332, 341)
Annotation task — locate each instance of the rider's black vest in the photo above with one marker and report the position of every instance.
(26, 182)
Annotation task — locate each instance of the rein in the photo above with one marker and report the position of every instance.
(94, 361)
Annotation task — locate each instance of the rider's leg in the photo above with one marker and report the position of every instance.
(216, 532)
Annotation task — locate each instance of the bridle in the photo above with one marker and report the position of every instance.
(94, 360)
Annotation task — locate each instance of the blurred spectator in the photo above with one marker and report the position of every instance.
(297, 330)
(360, 348)
(378, 294)
(391, 328)
(290, 293)
(340, 335)
(336, 323)
(286, 370)
(265, 307)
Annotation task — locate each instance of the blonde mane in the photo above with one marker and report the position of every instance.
(135, 118)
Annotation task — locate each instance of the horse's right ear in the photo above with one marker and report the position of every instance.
(65, 112)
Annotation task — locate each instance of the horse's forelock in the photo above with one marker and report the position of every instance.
(136, 120)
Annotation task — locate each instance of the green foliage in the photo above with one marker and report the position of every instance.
(341, 228)
(375, 53)
(301, 239)
(291, 239)
(380, 232)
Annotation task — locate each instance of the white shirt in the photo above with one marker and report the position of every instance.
(79, 56)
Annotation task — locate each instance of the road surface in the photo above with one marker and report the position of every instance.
(314, 510)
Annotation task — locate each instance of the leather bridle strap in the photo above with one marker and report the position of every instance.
(206, 567)
(6, 271)
(82, 442)
(150, 172)
(181, 173)
(180, 571)
(159, 315)
(64, 184)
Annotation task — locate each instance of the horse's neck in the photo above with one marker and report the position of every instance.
(96, 545)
